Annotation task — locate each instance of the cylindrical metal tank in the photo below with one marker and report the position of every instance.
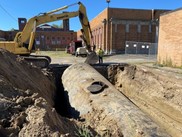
(89, 92)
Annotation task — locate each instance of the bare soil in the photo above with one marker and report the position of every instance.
(27, 95)
(27, 101)
(157, 91)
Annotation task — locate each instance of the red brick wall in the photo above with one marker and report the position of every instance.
(64, 38)
(137, 14)
(120, 37)
(8, 35)
(96, 25)
(78, 34)
(1, 34)
(97, 21)
(130, 14)
(170, 39)
(114, 40)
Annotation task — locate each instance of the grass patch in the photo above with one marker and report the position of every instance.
(83, 131)
(54, 53)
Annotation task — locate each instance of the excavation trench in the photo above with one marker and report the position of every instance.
(62, 104)
(84, 93)
(114, 100)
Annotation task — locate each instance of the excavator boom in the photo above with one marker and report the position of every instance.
(24, 41)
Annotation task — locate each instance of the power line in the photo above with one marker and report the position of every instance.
(7, 12)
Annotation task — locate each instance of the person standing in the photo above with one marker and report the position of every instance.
(100, 54)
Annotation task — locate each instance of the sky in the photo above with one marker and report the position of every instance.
(11, 10)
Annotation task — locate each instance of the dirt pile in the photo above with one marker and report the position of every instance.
(27, 96)
(158, 92)
(27, 100)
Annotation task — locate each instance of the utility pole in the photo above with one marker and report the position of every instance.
(108, 1)
(107, 31)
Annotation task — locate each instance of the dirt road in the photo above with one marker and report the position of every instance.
(122, 58)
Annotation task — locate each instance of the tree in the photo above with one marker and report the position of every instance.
(12, 29)
(57, 26)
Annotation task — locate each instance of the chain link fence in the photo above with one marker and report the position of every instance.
(133, 47)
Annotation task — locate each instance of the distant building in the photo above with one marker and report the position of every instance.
(50, 38)
(8, 35)
(111, 29)
(170, 39)
(2, 34)
(114, 26)
(47, 37)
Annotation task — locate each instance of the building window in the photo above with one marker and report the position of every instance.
(22, 21)
(37, 41)
(58, 40)
(127, 28)
(139, 28)
(116, 27)
(150, 28)
(53, 41)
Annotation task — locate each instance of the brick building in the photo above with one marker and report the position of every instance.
(8, 35)
(111, 29)
(170, 39)
(114, 26)
(47, 37)
(50, 38)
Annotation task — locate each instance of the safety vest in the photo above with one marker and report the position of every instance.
(100, 52)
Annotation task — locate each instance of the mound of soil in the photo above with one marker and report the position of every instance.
(157, 91)
(27, 97)
(27, 100)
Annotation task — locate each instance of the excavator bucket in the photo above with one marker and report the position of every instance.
(92, 58)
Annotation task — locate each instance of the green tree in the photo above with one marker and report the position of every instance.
(12, 29)
(57, 26)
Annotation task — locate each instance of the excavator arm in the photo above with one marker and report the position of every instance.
(28, 33)
(23, 41)
(86, 30)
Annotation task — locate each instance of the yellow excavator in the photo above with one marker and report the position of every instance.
(24, 41)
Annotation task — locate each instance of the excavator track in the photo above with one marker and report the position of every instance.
(39, 61)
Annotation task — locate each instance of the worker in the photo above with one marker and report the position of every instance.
(100, 54)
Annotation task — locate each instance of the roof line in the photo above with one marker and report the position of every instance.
(168, 12)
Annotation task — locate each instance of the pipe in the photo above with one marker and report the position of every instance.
(92, 94)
